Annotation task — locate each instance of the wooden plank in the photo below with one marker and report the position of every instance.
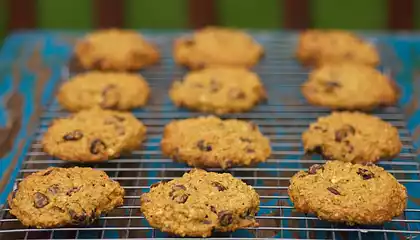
(354, 14)
(53, 14)
(21, 14)
(156, 14)
(250, 13)
(202, 13)
(401, 14)
(296, 14)
(109, 13)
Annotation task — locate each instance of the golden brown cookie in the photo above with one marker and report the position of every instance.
(212, 142)
(352, 137)
(214, 46)
(115, 49)
(218, 90)
(199, 203)
(108, 90)
(349, 193)
(64, 196)
(93, 135)
(318, 47)
(349, 86)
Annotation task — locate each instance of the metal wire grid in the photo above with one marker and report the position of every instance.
(282, 119)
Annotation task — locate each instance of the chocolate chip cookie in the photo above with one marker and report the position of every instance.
(318, 47)
(218, 90)
(214, 46)
(116, 50)
(349, 193)
(349, 86)
(212, 142)
(64, 196)
(118, 91)
(93, 135)
(352, 137)
(200, 202)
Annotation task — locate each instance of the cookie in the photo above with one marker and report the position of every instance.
(213, 46)
(115, 50)
(64, 196)
(200, 202)
(349, 86)
(218, 90)
(349, 193)
(118, 91)
(318, 47)
(93, 135)
(352, 137)
(212, 142)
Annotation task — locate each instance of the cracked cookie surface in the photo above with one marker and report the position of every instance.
(93, 135)
(218, 90)
(64, 196)
(349, 86)
(118, 91)
(350, 193)
(318, 47)
(214, 46)
(352, 137)
(213, 142)
(199, 203)
(116, 50)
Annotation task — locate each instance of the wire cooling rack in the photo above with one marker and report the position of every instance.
(282, 118)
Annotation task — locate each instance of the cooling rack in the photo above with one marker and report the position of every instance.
(282, 118)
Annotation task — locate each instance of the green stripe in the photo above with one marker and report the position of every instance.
(3, 19)
(156, 14)
(417, 14)
(250, 13)
(349, 14)
(74, 14)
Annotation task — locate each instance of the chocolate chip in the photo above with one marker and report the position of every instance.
(247, 214)
(77, 218)
(156, 184)
(72, 190)
(225, 218)
(176, 188)
(181, 199)
(119, 118)
(365, 174)
(97, 146)
(333, 190)
(316, 149)
(179, 187)
(213, 209)
(243, 139)
(236, 93)
(73, 136)
(214, 86)
(110, 97)
(344, 132)
(250, 150)
(219, 186)
(40, 200)
(205, 221)
(331, 86)
(48, 172)
(54, 189)
(314, 168)
(189, 42)
(203, 146)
